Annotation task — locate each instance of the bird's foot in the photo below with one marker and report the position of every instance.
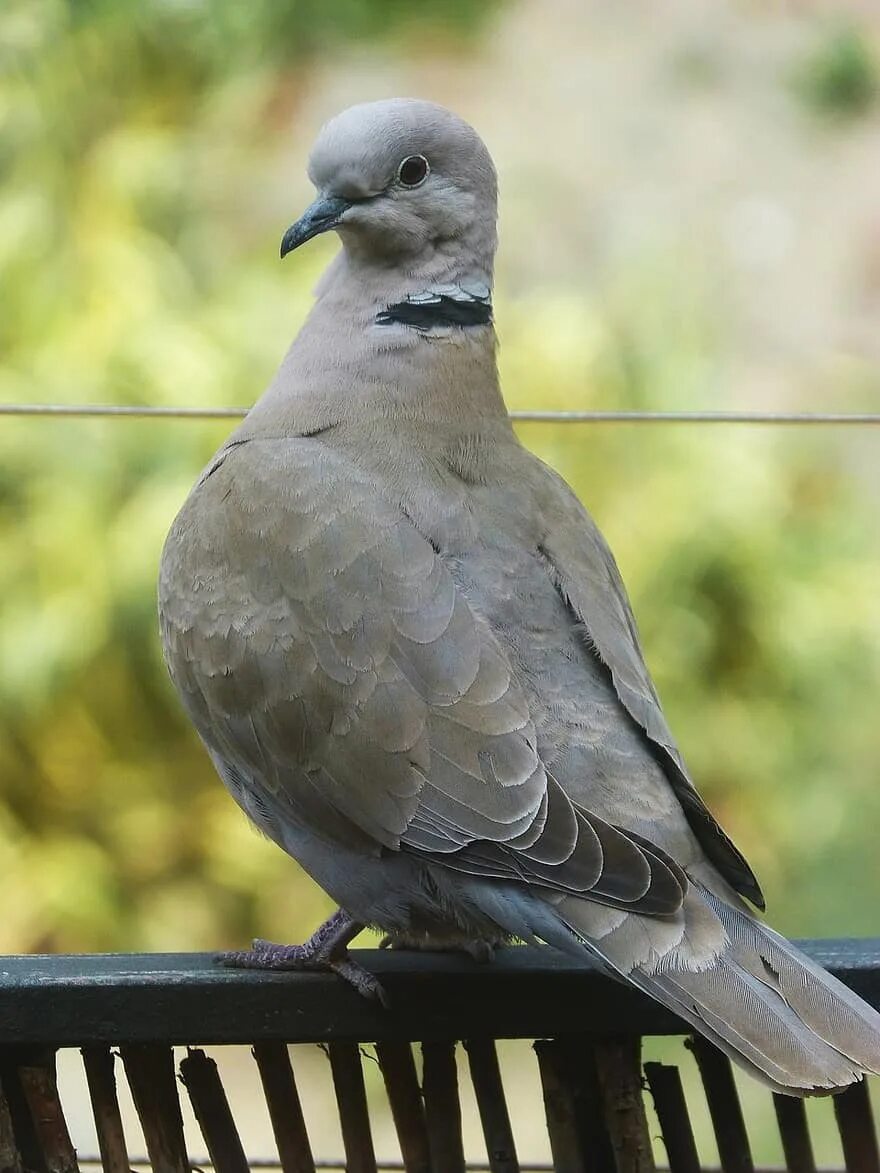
(480, 951)
(326, 949)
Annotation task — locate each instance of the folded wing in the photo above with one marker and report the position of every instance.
(330, 662)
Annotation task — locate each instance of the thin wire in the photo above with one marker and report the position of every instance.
(123, 410)
(115, 410)
(697, 417)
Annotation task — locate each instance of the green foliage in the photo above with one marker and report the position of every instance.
(839, 79)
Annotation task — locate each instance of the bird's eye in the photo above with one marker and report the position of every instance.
(413, 170)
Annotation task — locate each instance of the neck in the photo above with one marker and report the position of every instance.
(384, 346)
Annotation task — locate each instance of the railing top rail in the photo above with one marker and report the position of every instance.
(69, 1000)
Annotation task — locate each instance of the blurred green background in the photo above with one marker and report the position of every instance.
(690, 220)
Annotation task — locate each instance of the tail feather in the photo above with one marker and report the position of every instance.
(719, 1030)
(728, 1003)
(831, 1009)
(757, 997)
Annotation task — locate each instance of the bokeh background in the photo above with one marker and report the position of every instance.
(690, 220)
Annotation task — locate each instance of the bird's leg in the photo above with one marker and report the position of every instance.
(326, 948)
(480, 951)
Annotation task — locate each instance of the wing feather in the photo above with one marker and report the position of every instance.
(587, 577)
(330, 660)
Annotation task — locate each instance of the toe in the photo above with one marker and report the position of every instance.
(366, 984)
(234, 960)
(265, 955)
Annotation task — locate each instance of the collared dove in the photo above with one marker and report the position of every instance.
(410, 654)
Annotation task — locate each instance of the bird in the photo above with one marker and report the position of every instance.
(410, 655)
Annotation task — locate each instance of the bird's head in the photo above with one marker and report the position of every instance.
(400, 181)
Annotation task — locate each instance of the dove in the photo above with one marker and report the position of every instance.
(409, 653)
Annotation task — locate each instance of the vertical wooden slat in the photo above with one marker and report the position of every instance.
(40, 1088)
(675, 1125)
(852, 1108)
(724, 1107)
(351, 1097)
(199, 1075)
(10, 1157)
(559, 1107)
(791, 1116)
(592, 1126)
(494, 1117)
(149, 1069)
(619, 1067)
(25, 1141)
(285, 1109)
(442, 1107)
(402, 1084)
(99, 1062)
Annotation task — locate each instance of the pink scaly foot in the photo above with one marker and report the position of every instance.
(327, 948)
(480, 951)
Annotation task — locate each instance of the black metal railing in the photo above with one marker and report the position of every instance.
(588, 1030)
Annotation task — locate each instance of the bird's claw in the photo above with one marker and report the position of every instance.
(366, 983)
(306, 958)
(479, 951)
(267, 955)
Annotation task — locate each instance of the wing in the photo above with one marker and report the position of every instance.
(339, 676)
(588, 579)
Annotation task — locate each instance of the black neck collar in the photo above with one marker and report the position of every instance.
(449, 306)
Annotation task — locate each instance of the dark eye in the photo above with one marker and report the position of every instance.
(413, 171)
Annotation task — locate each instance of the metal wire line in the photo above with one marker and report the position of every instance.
(127, 411)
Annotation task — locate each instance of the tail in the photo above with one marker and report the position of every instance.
(747, 989)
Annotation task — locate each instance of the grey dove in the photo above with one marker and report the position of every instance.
(410, 655)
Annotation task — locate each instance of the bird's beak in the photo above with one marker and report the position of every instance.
(324, 214)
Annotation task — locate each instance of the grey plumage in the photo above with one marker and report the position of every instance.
(410, 655)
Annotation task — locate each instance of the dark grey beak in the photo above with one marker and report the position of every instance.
(324, 214)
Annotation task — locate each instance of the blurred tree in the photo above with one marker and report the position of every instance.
(839, 78)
